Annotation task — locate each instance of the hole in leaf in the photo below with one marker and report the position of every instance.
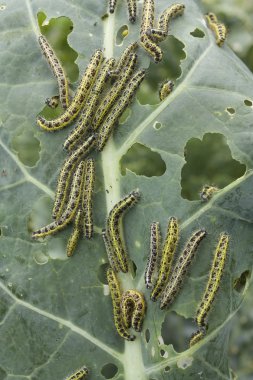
(109, 370)
(230, 110)
(102, 273)
(157, 125)
(2, 7)
(147, 335)
(248, 102)
(142, 161)
(134, 268)
(27, 147)
(208, 161)
(240, 283)
(167, 369)
(168, 68)
(121, 34)
(56, 30)
(176, 330)
(198, 33)
(126, 114)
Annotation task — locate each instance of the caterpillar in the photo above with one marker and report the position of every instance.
(207, 192)
(214, 280)
(117, 110)
(116, 299)
(219, 29)
(132, 8)
(155, 240)
(66, 172)
(52, 102)
(125, 58)
(71, 207)
(115, 91)
(133, 307)
(113, 227)
(74, 237)
(79, 99)
(166, 89)
(148, 16)
(113, 261)
(80, 374)
(57, 69)
(154, 50)
(85, 120)
(112, 5)
(168, 252)
(197, 336)
(88, 188)
(181, 268)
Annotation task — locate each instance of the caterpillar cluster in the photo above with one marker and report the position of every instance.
(151, 33)
(132, 8)
(129, 307)
(218, 28)
(98, 109)
(212, 287)
(113, 234)
(170, 276)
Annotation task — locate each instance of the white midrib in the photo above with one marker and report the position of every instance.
(132, 359)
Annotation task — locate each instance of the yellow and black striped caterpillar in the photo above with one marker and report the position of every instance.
(113, 228)
(180, 269)
(165, 89)
(74, 237)
(78, 100)
(207, 192)
(57, 69)
(155, 241)
(87, 202)
(219, 29)
(168, 252)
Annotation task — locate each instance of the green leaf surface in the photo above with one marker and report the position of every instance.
(55, 313)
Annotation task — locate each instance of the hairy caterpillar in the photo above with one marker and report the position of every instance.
(197, 336)
(154, 50)
(85, 120)
(115, 91)
(163, 23)
(71, 207)
(181, 268)
(88, 188)
(155, 240)
(74, 237)
(168, 252)
(112, 5)
(214, 280)
(116, 298)
(66, 172)
(79, 99)
(166, 89)
(219, 29)
(132, 8)
(117, 110)
(57, 69)
(113, 227)
(207, 192)
(113, 261)
(80, 374)
(133, 307)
